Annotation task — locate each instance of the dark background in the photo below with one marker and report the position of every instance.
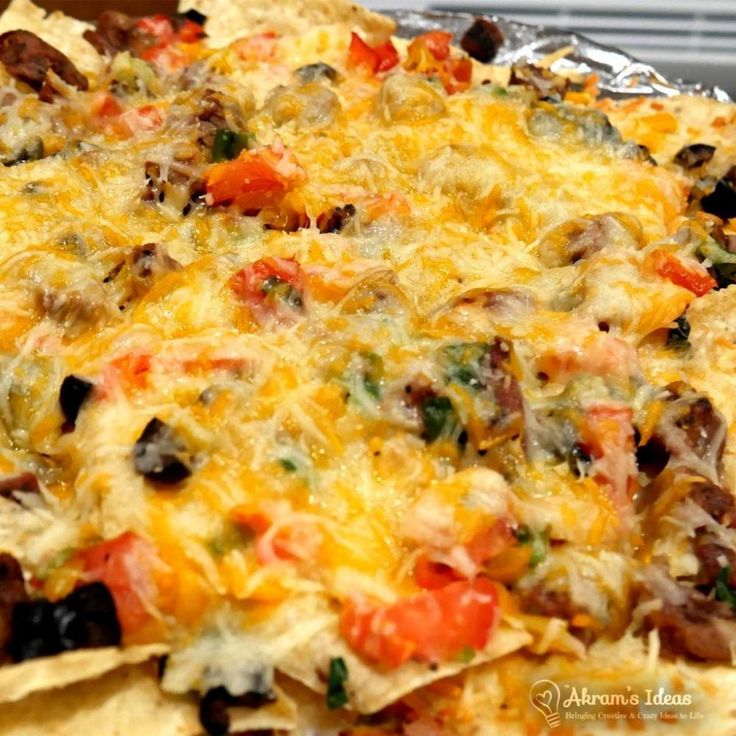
(90, 9)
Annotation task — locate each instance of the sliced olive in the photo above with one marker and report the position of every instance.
(72, 395)
(697, 154)
(213, 708)
(85, 618)
(334, 220)
(721, 202)
(316, 72)
(158, 454)
(32, 150)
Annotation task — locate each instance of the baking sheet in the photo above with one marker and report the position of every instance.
(620, 75)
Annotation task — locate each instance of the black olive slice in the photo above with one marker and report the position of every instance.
(697, 154)
(72, 394)
(157, 454)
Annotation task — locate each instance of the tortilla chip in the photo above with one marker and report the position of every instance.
(127, 702)
(61, 31)
(231, 19)
(17, 681)
(281, 715)
(369, 688)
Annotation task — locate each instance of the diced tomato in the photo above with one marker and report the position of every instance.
(491, 542)
(169, 57)
(155, 38)
(125, 374)
(388, 56)
(378, 59)
(259, 47)
(462, 70)
(693, 278)
(361, 54)
(157, 26)
(283, 537)
(437, 43)
(270, 287)
(125, 565)
(106, 106)
(250, 181)
(430, 54)
(252, 518)
(432, 626)
(190, 32)
(607, 435)
(134, 367)
(249, 282)
(141, 119)
(432, 575)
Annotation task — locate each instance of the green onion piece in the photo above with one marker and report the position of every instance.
(288, 465)
(536, 540)
(467, 655)
(228, 144)
(336, 695)
(724, 592)
(372, 374)
(438, 417)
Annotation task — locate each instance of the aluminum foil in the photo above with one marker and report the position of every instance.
(620, 75)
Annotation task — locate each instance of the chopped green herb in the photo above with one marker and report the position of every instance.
(678, 336)
(232, 537)
(466, 363)
(288, 465)
(724, 592)
(372, 373)
(438, 417)
(279, 289)
(723, 263)
(536, 540)
(467, 655)
(229, 144)
(336, 695)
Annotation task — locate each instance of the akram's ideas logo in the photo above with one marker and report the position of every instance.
(566, 702)
(545, 697)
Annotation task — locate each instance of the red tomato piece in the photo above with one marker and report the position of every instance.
(607, 434)
(259, 47)
(432, 575)
(438, 44)
(158, 27)
(361, 54)
(125, 565)
(106, 106)
(490, 542)
(462, 70)
(190, 32)
(388, 56)
(248, 283)
(249, 181)
(272, 288)
(378, 59)
(432, 626)
(146, 117)
(672, 268)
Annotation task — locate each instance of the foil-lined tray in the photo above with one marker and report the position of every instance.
(620, 75)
